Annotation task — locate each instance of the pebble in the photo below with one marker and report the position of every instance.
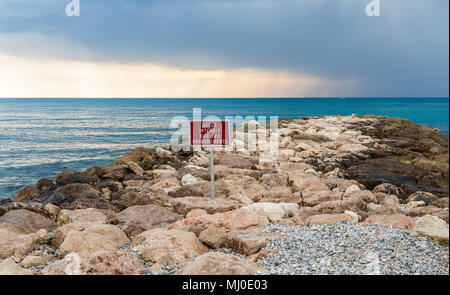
(345, 248)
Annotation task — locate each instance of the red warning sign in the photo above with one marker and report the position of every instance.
(210, 133)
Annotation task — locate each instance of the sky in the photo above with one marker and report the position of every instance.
(224, 48)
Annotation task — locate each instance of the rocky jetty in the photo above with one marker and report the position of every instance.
(345, 195)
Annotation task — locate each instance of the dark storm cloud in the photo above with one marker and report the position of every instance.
(404, 52)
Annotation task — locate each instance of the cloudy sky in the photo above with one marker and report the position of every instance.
(224, 48)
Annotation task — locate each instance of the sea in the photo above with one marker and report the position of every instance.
(43, 137)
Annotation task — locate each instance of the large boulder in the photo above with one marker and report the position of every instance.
(10, 267)
(235, 160)
(232, 220)
(133, 166)
(139, 155)
(29, 220)
(99, 263)
(116, 171)
(81, 215)
(168, 247)
(352, 204)
(428, 210)
(239, 185)
(427, 198)
(16, 242)
(221, 171)
(432, 227)
(137, 219)
(211, 206)
(247, 242)
(27, 193)
(313, 198)
(396, 220)
(273, 211)
(78, 190)
(216, 263)
(322, 219)
(83, 242)
(308, 183)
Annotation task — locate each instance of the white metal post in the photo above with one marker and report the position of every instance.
(211, 167)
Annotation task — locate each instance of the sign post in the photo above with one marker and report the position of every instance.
(210, 134)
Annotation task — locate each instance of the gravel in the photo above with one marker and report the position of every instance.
(348, 248)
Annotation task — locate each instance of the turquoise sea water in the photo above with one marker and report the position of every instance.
(42, 137)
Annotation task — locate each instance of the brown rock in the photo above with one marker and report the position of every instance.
(213, 236)
(216, 263)
(308, 183)
(431, 210)
(235, 160)
(9, 267)
(279, 192)
(19, 245)
(396, 220)
(137, 219)
(426, 197)
(110, 232)
(224, 171)
(44, 184)
(441, 203)
(239, 184)
(211, 206)
(322, 219)
(275, 179)
(29, 220)
(27, 193)
(79, 190)
(99, 263)
(354, 204)
(32, 260)
(232, 220)
(135, 168)
(139, 155)
(85, 242)
(365, 195)
(116, 171)
(168, 247)
(313, 198)
(389, 189)
(196, 212)
(81, 215)
(247, 242)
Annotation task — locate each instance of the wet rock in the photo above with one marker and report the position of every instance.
(116, 171)
(76, 191)
(426, 197)
(27, 193)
